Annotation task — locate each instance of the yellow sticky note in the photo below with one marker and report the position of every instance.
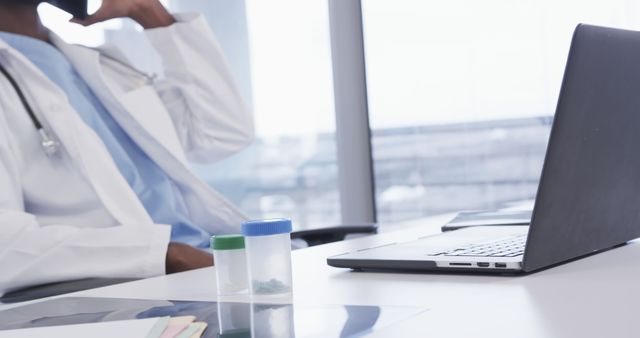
(182, 320)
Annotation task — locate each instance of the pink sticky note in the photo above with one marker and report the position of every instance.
(173, 330)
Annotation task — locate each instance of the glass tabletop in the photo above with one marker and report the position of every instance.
(224, 319)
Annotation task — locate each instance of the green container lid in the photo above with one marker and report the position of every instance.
(227, 242)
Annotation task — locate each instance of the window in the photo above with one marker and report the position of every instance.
(461, 96)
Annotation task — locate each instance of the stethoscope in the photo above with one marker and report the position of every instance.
(49, 145)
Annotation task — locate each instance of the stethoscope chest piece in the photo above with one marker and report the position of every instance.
(49, 145)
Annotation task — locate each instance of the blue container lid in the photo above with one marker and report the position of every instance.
(265, 227)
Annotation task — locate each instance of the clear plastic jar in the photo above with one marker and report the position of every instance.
(234, 320)
(268, 245)
(272, 320)
(230, 261)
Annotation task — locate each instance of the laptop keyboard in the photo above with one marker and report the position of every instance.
(506, 247)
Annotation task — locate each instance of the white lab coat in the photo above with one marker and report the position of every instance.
(74, 216)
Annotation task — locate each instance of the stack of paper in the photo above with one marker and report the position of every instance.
(163, 327)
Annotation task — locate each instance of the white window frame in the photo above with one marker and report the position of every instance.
(353, 133)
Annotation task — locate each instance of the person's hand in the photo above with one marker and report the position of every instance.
(182, 257)
(148, 13)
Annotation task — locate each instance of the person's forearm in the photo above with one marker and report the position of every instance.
(151, 14)
(218, 121)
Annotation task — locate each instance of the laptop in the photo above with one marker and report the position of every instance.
(588, 197)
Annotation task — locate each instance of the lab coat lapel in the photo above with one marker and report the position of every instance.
(129, 109)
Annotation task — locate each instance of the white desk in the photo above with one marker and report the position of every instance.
(593, 297)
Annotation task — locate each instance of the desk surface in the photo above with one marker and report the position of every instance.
(591, 297)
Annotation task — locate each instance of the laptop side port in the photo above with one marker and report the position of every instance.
(483, 265)
(501, 265)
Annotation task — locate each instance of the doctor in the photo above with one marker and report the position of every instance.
(110, 193)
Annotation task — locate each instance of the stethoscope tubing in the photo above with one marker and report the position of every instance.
(23, 99)
(49, 145)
